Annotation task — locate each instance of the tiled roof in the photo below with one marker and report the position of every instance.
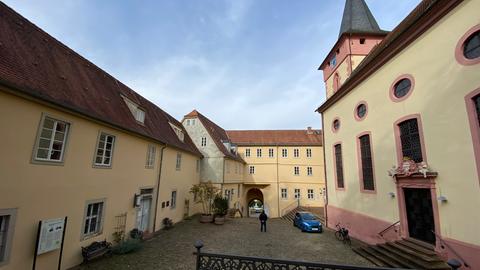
(425, 15)
(357, 18)
(302, 137)
(217, 133)
(34, 63)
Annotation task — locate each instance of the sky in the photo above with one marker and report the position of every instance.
(245, 64)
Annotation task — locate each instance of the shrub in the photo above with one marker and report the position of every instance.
(220, 205)
(127, 246)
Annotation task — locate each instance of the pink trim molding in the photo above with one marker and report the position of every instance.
(398, 142)
(335, 168)
(333, 121)
(336, 82)
(359, 160)
(360, 226)
(474, 126)
(461, 59)
(392, 87)
(355, 111)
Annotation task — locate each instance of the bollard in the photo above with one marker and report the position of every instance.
(198, 245)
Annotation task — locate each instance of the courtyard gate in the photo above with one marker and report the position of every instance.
(211, 261)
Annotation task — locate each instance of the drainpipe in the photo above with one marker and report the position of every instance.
(158, 188)
(325, 173)
(278, 186)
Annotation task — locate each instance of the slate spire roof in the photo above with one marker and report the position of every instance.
(357, 18)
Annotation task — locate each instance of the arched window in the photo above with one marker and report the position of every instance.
(336, 82)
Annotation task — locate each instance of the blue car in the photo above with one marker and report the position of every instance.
(307, 222)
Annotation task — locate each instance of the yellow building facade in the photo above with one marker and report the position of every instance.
(82, 146)
(410, 104)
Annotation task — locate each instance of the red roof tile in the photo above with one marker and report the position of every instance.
(35, 64)
(276, 137)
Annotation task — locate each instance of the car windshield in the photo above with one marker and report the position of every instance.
(308, 217)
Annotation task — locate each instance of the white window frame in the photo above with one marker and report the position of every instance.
(88, 218)
(284, 193)
(51, 140)
(173, 199)
(137, 112)
(6, 238)
(270, 153)
(309, 171)
(188, 122)
(103, 156)
(151, 152)
(297, 193)
(284, 152)
(296, 170)
(309, 152)
(178, 163)
(259, 152)
(251, 169)
(296, 153)
(310, 194)
(247, 152)
(193, 122)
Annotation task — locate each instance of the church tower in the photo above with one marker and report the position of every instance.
(359, 34)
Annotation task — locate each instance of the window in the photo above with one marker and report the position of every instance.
(135, 109)
(7, 224)
(296, 153)
(204, 141)
(51, 140)
(150, 156)
(362, 41)
(284, 193)
(178, 164)
(309, 153)
(270, 152)
(339, 165)
(173, 200)
(259, 152)
(471, 49)
(336, 125)
(104, 152)
(297, 193)
(193, 122)
(366, 162)
(309, 171)
(296, 170)
(93, 219)
(333, 61)
(188, 122)
(361, 111)
(251, 169)
(247, 152)
(284, 152)
(402, 88)
(310, 194)
(178, 131)
(410, 140)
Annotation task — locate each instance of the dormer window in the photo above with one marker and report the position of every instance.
(137, 112)
(178, 131)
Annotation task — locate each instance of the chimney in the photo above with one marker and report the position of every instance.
(309, 130)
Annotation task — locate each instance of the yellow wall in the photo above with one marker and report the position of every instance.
(41, 191)
(438, 96)
(343, 72)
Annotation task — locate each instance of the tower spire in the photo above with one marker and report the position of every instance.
(357, 19)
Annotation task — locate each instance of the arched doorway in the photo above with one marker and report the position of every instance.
(255, 202)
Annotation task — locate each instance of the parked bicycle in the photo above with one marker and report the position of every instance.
(342, 235)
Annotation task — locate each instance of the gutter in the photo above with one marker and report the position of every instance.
(158, 188)
(278, 186)
(325, 176)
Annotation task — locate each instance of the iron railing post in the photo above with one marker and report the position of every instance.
(198, 245)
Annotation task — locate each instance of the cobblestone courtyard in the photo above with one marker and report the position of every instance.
(173, 249)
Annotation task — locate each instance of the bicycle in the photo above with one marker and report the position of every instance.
(342, 235)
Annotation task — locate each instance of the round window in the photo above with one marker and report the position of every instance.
(361, 110)
(471, 49)
(402, 88)
(336, 124)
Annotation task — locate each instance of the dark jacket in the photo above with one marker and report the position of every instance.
(263, 217)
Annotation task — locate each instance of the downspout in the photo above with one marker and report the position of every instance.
(325, 172)
(158, 188)
(278, 186)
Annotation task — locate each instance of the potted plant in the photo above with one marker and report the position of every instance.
(220, 206)
(205, 193)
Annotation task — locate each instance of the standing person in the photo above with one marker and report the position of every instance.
(263, 221)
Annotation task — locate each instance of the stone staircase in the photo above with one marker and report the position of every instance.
(407, 253)
(316, 211)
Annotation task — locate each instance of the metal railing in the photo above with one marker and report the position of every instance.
(290, 207)
(388, 228)
(211, 261)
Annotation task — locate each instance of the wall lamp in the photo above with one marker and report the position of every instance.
(442, 199)
(391, 194)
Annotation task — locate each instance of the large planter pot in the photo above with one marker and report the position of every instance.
(219, 220)
(206, 218)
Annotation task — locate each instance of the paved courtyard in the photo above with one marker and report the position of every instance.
(173, 249)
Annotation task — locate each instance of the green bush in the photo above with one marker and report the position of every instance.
(220, 205)
(127, 246)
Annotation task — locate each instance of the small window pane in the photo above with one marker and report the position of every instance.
(336, 124)
(361, 110)
(48, 123)
(46, 133)
(471, 50)
(402, 88)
